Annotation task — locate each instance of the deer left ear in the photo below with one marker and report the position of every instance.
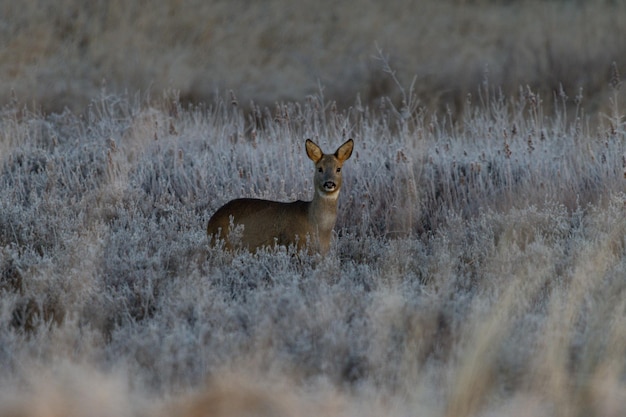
(345, 150)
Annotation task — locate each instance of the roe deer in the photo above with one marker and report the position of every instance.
(302, 223)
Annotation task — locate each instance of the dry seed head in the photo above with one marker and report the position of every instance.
(616, 81)
(233, 99)
(507, 150)
(562, 94)
(172, 129)
(579, 97)
(277, 115)
(112, 144)
(531, 97)
(358, 105)
(401, 157)
(173, 110)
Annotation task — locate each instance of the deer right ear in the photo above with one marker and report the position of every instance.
(313, 151)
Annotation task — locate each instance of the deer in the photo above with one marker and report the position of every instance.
(304, 224)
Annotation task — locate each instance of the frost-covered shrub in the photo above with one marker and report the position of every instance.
(472, 266)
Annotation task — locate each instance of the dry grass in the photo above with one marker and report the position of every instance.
(60, 54)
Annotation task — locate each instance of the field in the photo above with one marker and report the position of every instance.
(479, 262)
(477, 269)
(60, 53)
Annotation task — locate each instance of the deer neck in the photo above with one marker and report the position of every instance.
(323, 210)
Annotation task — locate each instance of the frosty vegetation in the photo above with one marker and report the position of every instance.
(477, 269)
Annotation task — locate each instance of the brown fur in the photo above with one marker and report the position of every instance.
(301, 223)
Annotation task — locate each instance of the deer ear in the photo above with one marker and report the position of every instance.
(345, 150)
(313, 151)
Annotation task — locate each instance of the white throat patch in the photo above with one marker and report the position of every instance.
(330, 196)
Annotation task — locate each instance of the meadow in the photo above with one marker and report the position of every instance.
(477, 267)
(479, 259)
(59, 53)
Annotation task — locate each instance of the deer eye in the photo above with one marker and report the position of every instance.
(320, 169)
(339, 169)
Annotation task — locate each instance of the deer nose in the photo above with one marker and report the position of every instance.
(329, 185)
